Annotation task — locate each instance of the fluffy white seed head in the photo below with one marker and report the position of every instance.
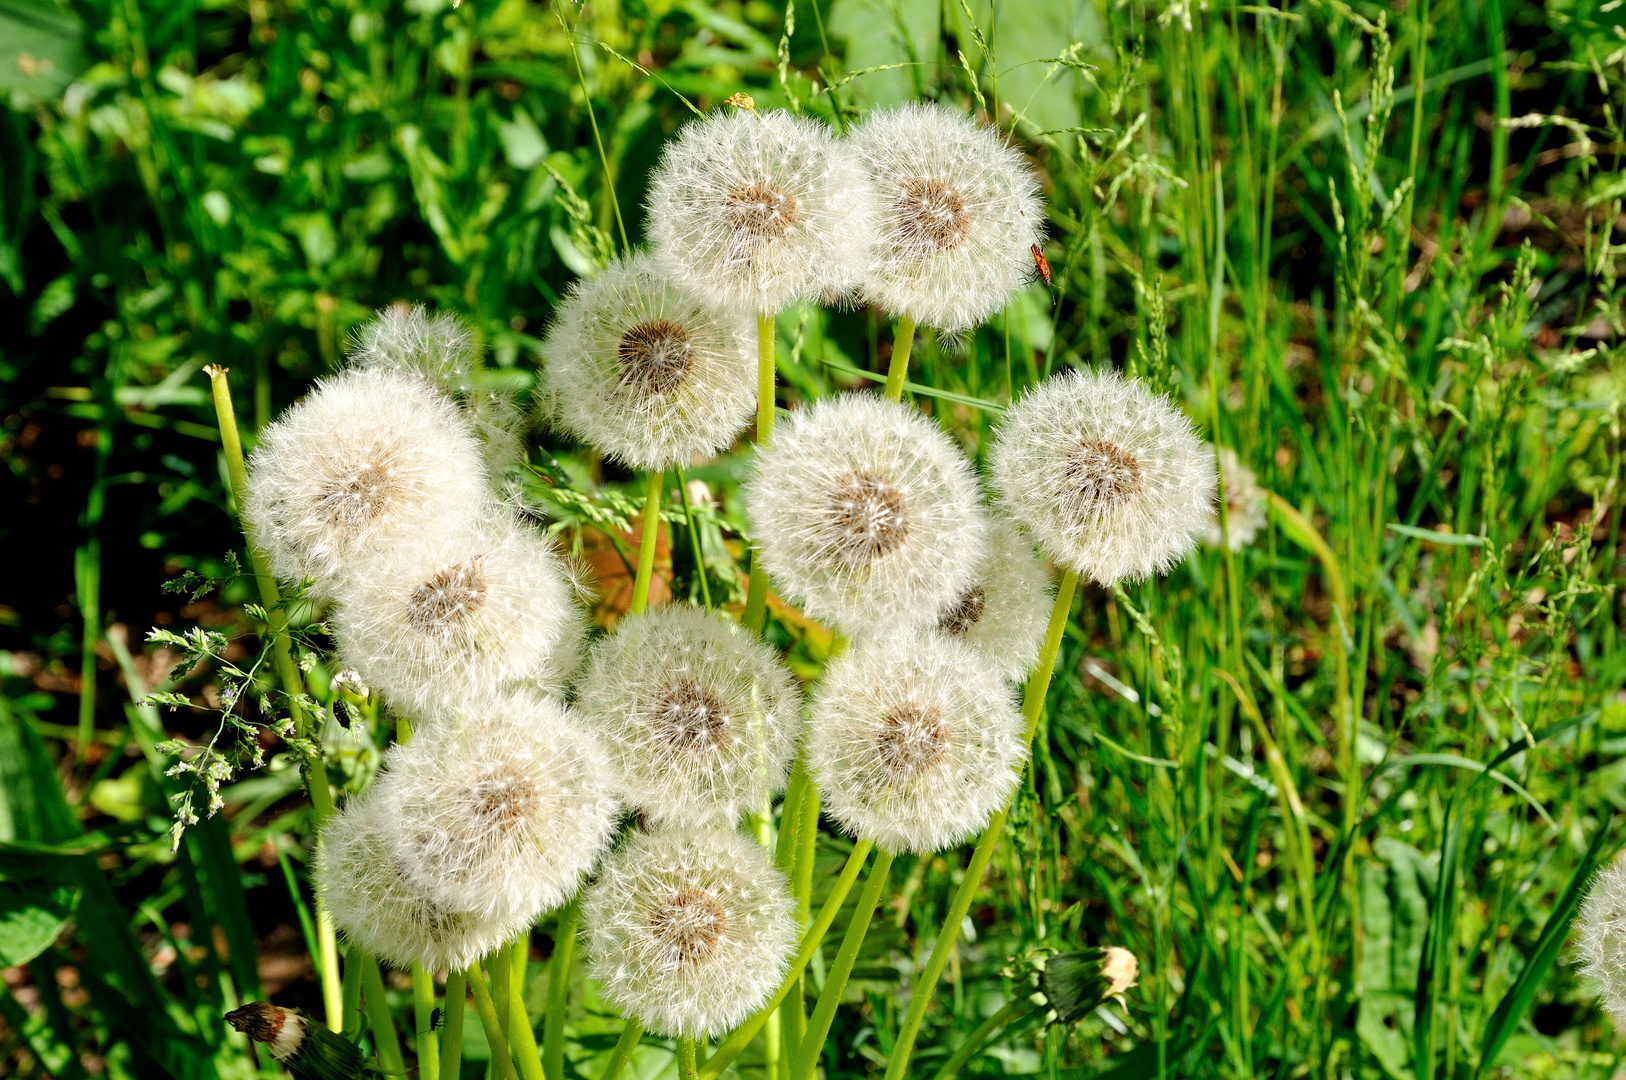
(1244, 504)
(688, 930)
(500, 808)
(866, 512)
(458, 617)
(1600, 929)
(1004, 611)
(647, 373)
(374, 903)
(1108, 477)
(960, 213)
(368, 459)
(913, 741)
(699, 717)
(439, 347)
(753, 211)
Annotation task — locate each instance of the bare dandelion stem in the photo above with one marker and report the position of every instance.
(488, 1020)
(835, 983)
(451, 1032)
(685, 1051)
(423, 1009)
(564, 954)
(646, 543)
(385, 1042)
(631, 1033)
(902, 343)
(756, 592)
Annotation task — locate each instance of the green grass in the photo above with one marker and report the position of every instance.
(1336, 792)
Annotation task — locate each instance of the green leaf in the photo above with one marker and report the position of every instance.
(1457, 539)
(32, 914)
(41, 48)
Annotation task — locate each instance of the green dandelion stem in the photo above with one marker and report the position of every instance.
(685, 1052)
(378, 1013)
(694, 541)
(902, 342)
(756, 592)
(730, 1048)
(451, 1031)
(835, 983)
(646, 543)
(488, 1020)
(564, 953)
(521, 1039)
(1032, 706)
(423, 1009)
(631, 1032)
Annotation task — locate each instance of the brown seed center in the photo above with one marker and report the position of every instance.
(505, 797)
(960, 618)
(760, 210)
(655, 357)
(445, 601)
(868, 517)
(689, 924)
(931, 213)
(1103, 473)
(913, 738)
(691, 717)
(358, 495)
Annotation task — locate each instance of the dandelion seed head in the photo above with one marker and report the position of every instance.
(1004, 612)
(1244, 505)
(1107, 476)
(960, 212)
(913, 741)
(866, 512)
(757, 210)
(699, 718)
(688, 930)
(646, 373)
(1601, 937)
(367, 459)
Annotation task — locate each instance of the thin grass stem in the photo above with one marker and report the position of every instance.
(694, 541)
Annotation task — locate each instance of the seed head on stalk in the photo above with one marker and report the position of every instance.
(1004, 611)
(1601, 937)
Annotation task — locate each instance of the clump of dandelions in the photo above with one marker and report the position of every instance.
(699, 716)
(1601, 937)
(1244, 505)
(369, 459)
(374, 903)
(960, 213)
(458, 617)
(754, 211)
(1107, 476)
(688, 930)
(913, 742)
(865, 511)
(1003, 613)
(500, 809)
(647, 373)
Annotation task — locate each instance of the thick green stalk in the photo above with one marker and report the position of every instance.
(451, 1031)
(646, 543)
(981, 1033)
(741, 1037)
(898, 369)
(685, 1052)
(378, 1013)
(1032, 706)
(564, 953)
(493, 1027)
(835, 983)
(792, 1012)
(423, 1008)
(521, 1039)
(631, 1033)
(350, 1001)
(756, 590)
(694, 541)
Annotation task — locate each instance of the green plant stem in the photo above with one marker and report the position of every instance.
(980, 1035)
(685, 1055)
(805, 840)
(564, 954)
(1032, 706)
(87, 565)
(756, 590)
(451, 1031)
(521, 1039)
(592, 118)
(423, 1007)
(493, 1027)
(646, 543)
(808, 1050)
(792, 1013)
(694, 541)
(902, 341)
(631, 1032)
(385, 1042)
(741, 1037)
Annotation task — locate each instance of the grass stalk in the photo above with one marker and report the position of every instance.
(898, 369)
(811, 1047)
(694, 541)
(451, 1031)
(592, 119)
(564, 955)
(487, 1010)
(646, 543)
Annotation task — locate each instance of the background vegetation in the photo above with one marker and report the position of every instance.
(1336, 791)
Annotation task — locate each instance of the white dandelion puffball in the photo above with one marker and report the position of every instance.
(1244, 505)
(864, 510)
(647, 373)
(755, 211)
(914, 742)
(1600, 929)
(1005, 610)
(960, 213)
(1108, 476)
(688, 930)
(500, 809)
(375, 905)
(699, 717)
(367, 459)
(458, 617)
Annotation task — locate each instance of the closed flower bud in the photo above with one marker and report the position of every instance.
(699, 717)
(863, 510)
(1244, 505)
(688, 930)
(913, 741)
(1107, 476)
(307, 1049)
(1003, 613)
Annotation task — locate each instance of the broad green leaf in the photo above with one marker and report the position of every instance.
(32, 913)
